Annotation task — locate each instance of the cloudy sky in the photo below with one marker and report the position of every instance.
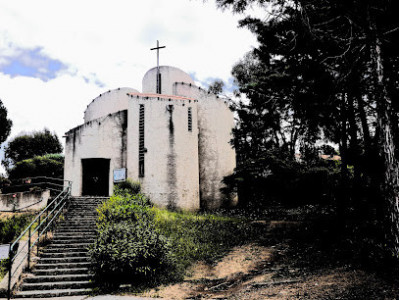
(56, 56)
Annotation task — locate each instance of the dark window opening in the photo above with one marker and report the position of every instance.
(190, 122)
(141, 141)
(159, 85)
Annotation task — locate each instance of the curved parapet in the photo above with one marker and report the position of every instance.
(108, 103)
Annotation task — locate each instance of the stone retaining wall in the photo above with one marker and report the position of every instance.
(23, 201)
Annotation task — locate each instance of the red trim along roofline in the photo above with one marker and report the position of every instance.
(174, 97)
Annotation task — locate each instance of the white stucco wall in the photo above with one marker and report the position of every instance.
(216, 156)
(105, 137)
(171, 163)
(170, 75)
(108, 103)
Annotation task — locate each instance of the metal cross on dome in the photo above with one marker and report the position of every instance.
(158, 74)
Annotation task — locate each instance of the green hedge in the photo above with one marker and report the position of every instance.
(51, 165)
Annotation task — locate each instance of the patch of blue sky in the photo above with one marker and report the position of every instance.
(231, 86)
(32, 63)
(92, 78)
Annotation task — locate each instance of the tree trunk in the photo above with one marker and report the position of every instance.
(384, 107)
(354, 157)
(342, 200)
(363, 120)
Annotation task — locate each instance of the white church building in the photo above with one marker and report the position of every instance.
(173, 137)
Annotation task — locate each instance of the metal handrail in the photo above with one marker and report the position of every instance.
(58, 204)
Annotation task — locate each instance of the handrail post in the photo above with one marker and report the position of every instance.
(9, 272)
(38, 236)
(29, 245)
(46, 222)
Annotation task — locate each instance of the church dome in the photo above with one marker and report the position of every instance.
(108, 103)
(169, 75)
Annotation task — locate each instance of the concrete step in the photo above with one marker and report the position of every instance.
(73, 226)
(75, 236)
(69, 244)
(62, 260)
(56, 285)
(58, 278)
(78, 208)
(78, 211)
(41, 266)
(52, 293)
(64, 250)
(86, 231)
(82, 214)
(92, 206)
(73, 232)
(74, 239)
(89, 217)
(61, 271)
(79, 229)
(78, 225)
(64, 254)
(78, 222)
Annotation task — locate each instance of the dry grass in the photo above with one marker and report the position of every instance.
(271, 269)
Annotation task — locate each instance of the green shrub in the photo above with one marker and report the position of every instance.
(10, 228)
(3, 267)
(123, 208)
(130, 252)
(127, 187)
(128, 247)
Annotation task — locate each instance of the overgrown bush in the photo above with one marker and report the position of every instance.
(127, 187)
(128, 247)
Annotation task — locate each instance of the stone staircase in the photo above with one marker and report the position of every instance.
(63, 266)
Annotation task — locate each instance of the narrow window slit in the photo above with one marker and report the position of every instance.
(190, 122)
(141, 141)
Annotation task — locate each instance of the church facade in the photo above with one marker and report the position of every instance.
(174, 142)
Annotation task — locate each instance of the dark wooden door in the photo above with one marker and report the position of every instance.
(95, 177)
